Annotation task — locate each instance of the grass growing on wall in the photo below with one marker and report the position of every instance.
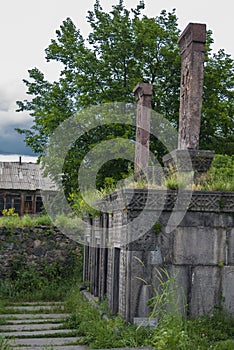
(13, 220)
(220, 177)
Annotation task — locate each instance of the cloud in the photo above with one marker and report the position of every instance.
(10, 92)
(4, 104)
(12, 142)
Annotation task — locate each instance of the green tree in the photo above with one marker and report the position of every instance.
(217, 124)
(123, 48)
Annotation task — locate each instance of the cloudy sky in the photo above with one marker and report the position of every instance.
(26, 28)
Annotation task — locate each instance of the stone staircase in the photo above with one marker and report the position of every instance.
(38, 326)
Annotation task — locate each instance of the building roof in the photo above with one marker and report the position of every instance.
(23, 176)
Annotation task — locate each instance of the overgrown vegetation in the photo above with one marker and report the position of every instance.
(221, 175)
(173, 331)
(11, 219)
(5, 344)
(98, 332)
(51, 282)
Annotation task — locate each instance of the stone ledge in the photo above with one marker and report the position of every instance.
(210, 201)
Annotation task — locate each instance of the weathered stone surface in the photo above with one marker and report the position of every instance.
(134, 283)
(35, 317)
(199, 246)
(143, 93)
(181, 287)
(30, 327)
(188, 160)
(145, 322)
(228, 288)
(143, 309)
(230, 242)
(205, 290)
(192, 42)
(207, 219)
(36, 342)
(35, 246)
(37, 333)
(155, 257)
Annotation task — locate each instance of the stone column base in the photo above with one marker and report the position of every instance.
(198, 161)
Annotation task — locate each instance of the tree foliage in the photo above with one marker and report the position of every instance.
(123, 48)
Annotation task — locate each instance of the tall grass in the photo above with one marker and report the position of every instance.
(25, 221)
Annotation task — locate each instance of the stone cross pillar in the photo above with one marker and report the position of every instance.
(143, 94)
(192, 43)
(188, 156)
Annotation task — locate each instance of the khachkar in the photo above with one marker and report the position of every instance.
(143, 94)
(192, 43)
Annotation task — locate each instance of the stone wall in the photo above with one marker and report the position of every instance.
(199, 252)
(37, 247)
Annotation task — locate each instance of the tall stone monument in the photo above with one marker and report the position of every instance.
(192, 44)
(143, 93)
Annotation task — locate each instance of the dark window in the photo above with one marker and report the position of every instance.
(13, 201)
(9, 201)
(28, 205)
(1, 204)
(39, 204)
(16, 205)
(115, 305)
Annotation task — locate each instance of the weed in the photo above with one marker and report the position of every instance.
(5, 344)
(50, 283)
(100, 333)
(157, 228)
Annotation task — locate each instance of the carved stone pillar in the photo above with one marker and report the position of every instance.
(143, 94)
(192, 43)
(188, 156)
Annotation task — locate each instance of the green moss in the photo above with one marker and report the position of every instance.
(157, 228)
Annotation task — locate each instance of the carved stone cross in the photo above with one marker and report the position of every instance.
(143, 93)
(188, 156)
(192, 43)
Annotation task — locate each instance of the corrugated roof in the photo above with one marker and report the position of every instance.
(23, 176)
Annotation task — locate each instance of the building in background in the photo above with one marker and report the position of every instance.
(21, 185)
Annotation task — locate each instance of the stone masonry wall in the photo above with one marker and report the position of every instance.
(199, 253)
(38, 246)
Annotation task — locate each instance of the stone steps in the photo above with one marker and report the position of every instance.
(35, 326)
(40, 331)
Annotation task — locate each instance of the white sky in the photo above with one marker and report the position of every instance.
(26, 28)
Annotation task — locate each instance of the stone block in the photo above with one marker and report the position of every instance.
(228, 288)
(155, 257)
(136, 272)
(205, 290)
(143, 309)
(145, 322)
(207, 219)
(180, 286)
(199, 246)
(230, 242)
